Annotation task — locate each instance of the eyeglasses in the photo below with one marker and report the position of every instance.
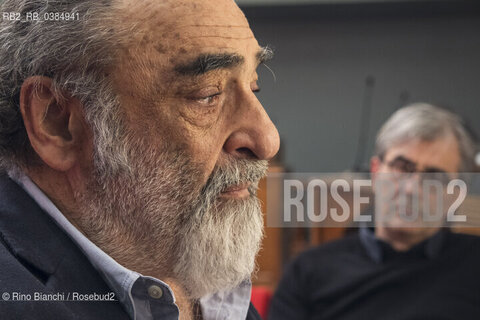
(404, 168)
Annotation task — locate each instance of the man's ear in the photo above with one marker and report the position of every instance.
(53, 123)
(375, 163)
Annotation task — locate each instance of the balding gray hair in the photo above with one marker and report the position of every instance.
(76, 54)
(426, 122)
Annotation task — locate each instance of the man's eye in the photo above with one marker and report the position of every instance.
(208, 100)
(400, 166)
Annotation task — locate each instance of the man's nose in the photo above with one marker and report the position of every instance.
(254, 135)
(411, 184)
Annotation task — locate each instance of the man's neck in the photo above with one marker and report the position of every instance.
(57, 186)
(189, 309)
(403, 239)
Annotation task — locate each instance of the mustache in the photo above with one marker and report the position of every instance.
(236, 172)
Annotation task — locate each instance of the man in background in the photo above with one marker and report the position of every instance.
(131, 147)
(398, 269)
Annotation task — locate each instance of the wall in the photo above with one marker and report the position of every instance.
(324, 56)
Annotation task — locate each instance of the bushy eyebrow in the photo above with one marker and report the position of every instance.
(414, 165)
(264, 54)
(208, 62)
(205, 63)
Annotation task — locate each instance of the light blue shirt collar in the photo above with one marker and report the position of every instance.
(144, 298)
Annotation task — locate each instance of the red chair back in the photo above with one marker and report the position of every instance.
(261, 297)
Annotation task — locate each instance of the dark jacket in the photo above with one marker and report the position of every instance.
(37, 257)
(437, 279)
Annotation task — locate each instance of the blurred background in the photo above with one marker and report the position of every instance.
(341, 68)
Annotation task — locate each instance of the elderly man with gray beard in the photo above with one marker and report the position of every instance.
(131, 147)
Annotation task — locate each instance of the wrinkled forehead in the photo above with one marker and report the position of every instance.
(174, 25)
(157, 36)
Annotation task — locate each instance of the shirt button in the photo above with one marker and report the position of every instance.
(155, 292)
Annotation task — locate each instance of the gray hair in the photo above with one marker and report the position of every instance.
(426, 122)
(77, 55)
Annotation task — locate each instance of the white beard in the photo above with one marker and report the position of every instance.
(157, 219)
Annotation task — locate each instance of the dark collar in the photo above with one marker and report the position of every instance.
(378, 249)
(40, 245)
(28, 232)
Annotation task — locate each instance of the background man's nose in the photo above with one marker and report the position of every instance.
(412, 184)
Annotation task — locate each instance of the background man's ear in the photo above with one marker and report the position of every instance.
(375, 163)
(53, 122)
